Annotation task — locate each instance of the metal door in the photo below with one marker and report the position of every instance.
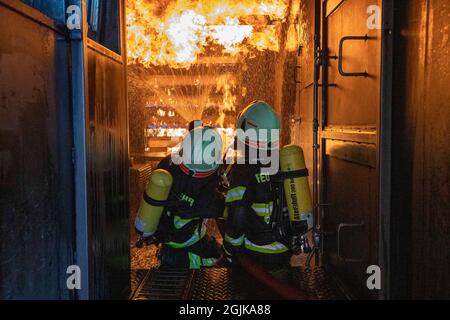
(339, 76)
(348, 137)
(107, 150)
(37, 213)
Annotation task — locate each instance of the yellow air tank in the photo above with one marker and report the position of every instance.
(158, 188)
(296, 189)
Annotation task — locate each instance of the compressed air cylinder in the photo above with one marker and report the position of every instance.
(296, 189)
(158, 188)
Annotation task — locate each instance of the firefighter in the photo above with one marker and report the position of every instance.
(249, 200)
(194, 198)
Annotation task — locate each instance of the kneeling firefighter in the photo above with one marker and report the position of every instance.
(268, 214)
(181, 194)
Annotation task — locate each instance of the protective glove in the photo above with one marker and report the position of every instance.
(145, 241)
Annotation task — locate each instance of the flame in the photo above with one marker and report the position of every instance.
(294, 27)
(177, 32)
(292, 38)
(226, 83)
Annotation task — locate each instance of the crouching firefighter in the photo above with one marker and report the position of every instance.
(181, 194)
(259, 221)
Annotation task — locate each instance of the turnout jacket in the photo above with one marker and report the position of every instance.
(197, 198)
(251, 190)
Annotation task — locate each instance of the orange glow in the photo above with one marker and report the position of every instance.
(177, 32)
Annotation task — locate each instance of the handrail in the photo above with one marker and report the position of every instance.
(341, 49)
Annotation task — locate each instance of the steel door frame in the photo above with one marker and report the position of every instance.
(80, 102)
(385, 147)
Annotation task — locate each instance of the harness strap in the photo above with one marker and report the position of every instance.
(280, 176)
(160, 203)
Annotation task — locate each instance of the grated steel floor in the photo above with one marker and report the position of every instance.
(228, 284)
(151, 282)
(317, 282)
(164, 284)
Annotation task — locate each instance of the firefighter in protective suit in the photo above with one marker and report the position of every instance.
(250, 197)
(182, 229)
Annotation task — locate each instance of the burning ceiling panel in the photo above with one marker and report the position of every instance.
(177, 32)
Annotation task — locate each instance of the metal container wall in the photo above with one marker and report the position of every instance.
(36, 173)
(421, 153)
(108, 175)
(349, 121)
(37, 221)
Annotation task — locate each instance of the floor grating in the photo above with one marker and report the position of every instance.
(228, 284)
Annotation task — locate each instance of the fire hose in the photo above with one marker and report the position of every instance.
(282, 289)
